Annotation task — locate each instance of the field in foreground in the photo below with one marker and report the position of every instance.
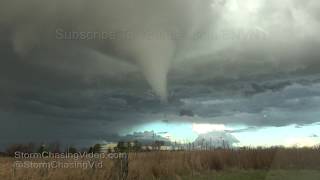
(223, 164)
(258, 175)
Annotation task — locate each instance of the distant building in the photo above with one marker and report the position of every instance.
(166, 148)
(109, 147)
(147, 148)
(162, 148)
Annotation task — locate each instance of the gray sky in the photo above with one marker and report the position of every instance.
(249, 62)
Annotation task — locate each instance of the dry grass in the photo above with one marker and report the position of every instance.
(168, 164)
(176, 165)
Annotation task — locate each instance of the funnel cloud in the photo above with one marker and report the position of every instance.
(151, 26)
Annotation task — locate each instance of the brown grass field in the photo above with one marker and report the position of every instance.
(221, 164)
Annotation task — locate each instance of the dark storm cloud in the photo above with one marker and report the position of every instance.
(294, 104)
(261, 67)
